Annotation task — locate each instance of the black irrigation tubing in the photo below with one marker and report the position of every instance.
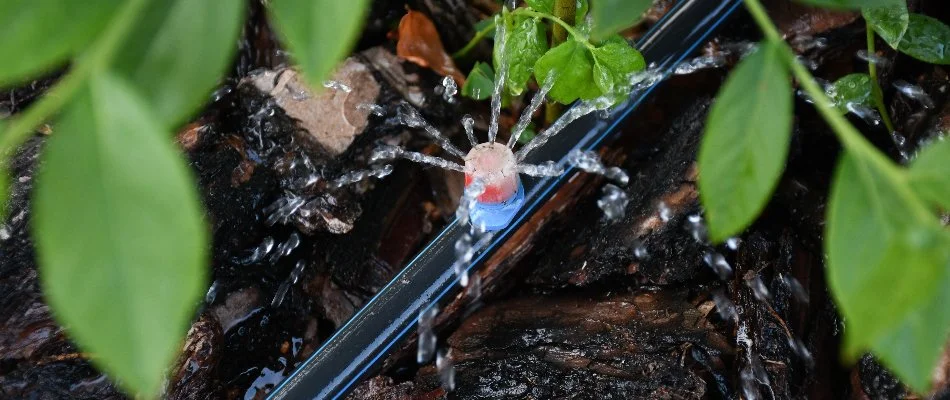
(358, 347)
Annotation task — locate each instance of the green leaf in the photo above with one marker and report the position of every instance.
(526, 42)
(914, 346)
(583, 6)
(177, 53)
(545, 6)
(119, 233)
(612, 16)
(880, 239)
(528, 134)
(927, 39)
(484, 24)
(480, 82)
(4, 181)
(573, 67)
(852, 88)
(930, 174)
(890, 22)
(319, 33)
(849, 4)
(743, 152)
(40, 35)
(614, 61)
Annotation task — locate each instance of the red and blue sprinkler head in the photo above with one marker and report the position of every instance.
(495, 166)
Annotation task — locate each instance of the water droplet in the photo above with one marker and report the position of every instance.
(469, 124)
(798, 291)
(799, 348)
(212, 292)
(700, 63)
(864, 112)
(640, 250)
(613, 202)
(280, 294)
(759, 290)
(733, 243)
(427, 338)
(872, 58)
(374, 109)
(914, 92)
(665, 213)
(257, 253)
(449, 89)
(474, 289)
(718, 264)
(335, 85)
(285, 248)
(548, 168)
(725, 307)
(446, 370)
(697, 228)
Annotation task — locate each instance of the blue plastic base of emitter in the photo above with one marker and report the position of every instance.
(495, 216)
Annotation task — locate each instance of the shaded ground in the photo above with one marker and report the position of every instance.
(568, 308)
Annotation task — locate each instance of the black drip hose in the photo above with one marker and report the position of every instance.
(381, 325)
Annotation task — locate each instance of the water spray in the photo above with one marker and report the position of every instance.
(377, 330)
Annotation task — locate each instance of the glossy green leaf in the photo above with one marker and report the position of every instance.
(178, 53)
(547, 6)
(880, 238)
(890, 22)
(852, 88)
(930, 174)
(573, 66)
(480, 82)
(927, 39)
(849, 4)
(119, 233)
(526, 42)
(40, 35)
(319, 33)
(743, 152)
(583, 6)
(614, 61)
(612, 16)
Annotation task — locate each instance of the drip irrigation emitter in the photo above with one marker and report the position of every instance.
(374, 332)
(494, 165)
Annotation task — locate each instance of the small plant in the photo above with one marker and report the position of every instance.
(119, 229)
(888, 255)
(585, 56)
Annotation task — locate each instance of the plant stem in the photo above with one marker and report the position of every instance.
(94, 59)
(563, 18)
(569, 29)
(852, 140)
(475, 39)
(564, 10)
(876, 92)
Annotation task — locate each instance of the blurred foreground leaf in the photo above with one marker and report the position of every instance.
(178, 52)
(888, 262)
(119, 233)
(746, 142)
(39, 35)
(319, 33)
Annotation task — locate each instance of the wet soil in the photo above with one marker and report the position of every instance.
(568, 308)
